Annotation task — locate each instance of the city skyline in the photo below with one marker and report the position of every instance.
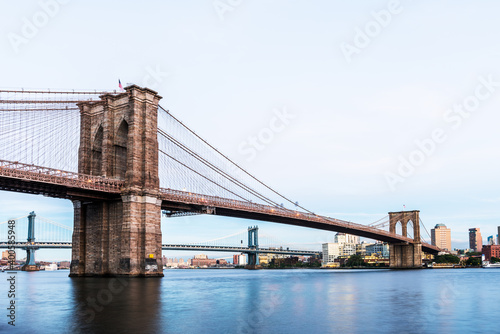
(334, 152)
(65, 254)
(441, 237)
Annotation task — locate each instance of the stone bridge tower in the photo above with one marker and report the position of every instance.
(405, 255)
(121, 235)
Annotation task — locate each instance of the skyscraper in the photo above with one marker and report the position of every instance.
(491, 240)
(441, 237)
(475, 239)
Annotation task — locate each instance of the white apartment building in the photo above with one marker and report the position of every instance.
(330, 252)
(343, 238)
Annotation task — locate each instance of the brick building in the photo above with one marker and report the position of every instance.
(490, 251)
(203, 262)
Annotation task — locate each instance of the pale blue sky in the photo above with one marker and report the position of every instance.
(353, 120)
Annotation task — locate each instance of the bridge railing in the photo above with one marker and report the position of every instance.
(35, 245)
(198, 199)
(19, 170)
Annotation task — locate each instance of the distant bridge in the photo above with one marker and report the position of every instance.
(66, 245)
(49, 231)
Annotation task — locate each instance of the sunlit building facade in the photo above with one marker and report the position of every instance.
(331, 251)
(379, 248)
(441, 237)
(475, 239)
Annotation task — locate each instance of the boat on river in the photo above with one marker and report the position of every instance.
(488, 265)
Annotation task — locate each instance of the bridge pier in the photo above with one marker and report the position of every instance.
(120, 236)
(253, 243)
(30, 251)
(405, 255)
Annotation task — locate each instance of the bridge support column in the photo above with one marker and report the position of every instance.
(121, 235)
(253, 243)
(405, 255)
(30, 251)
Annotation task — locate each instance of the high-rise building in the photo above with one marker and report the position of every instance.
(344, 238)
(498, 236)
(441, 237)
(330, 252)
(344, 245)
(475, 239)
(491, 240)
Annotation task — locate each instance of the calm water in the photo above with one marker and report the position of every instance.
(265, 301)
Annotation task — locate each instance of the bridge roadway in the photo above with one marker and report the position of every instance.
(41, 245)
(190, 202)
(15, 176)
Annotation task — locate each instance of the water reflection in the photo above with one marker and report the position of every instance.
(120, 305)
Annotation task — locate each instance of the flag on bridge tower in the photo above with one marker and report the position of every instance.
(120, 84)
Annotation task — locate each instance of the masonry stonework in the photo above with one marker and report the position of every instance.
(405, 255)
(118, 139)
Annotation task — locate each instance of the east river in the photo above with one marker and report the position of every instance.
(264, 301)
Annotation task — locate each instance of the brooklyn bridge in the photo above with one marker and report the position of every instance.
(123, 159)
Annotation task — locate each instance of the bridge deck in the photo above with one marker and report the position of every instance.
(15, 176)
(181, 200)
(20, 177)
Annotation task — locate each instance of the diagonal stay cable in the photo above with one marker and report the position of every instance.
(203, 176)
(206, 162)
(425, 228)
(375, 222)
(235, 164)
(216, 169)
